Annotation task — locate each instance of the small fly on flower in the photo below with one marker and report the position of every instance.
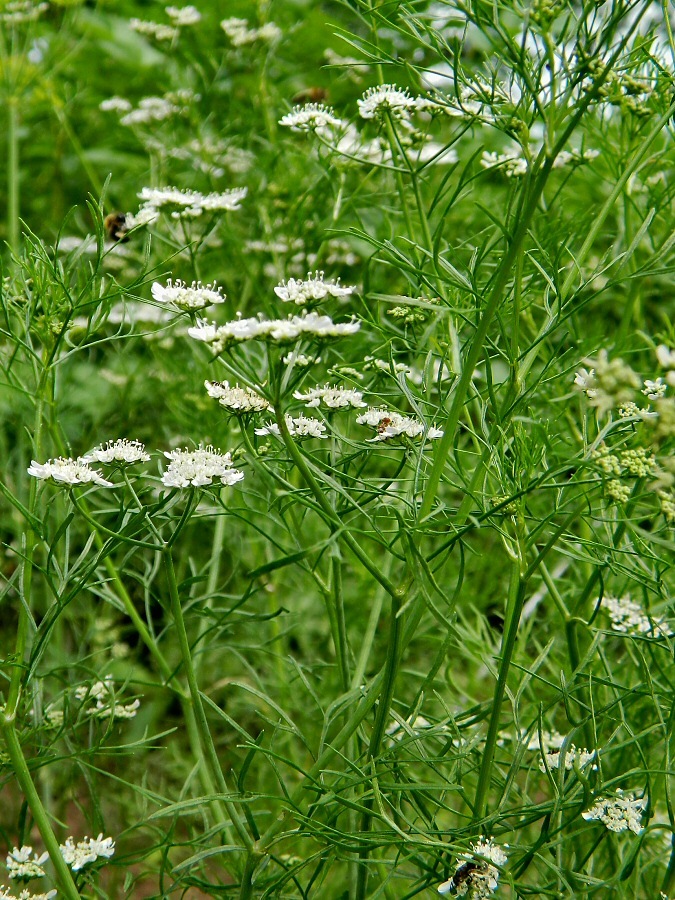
(116, 226)
(383, 425)
(465, 871)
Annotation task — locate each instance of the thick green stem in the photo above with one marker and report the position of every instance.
(23, 776)
(208, 753)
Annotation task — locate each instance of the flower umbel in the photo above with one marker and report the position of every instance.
(21, 866)
(119, 451)
(618, 813)
(67, 471)
(311, 289)
(187, 297)
(237, 399)
(302, 426)
(331, 396)
(199, 468)
(85, 852)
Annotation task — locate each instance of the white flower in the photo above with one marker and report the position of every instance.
(192, 297)
(392, 424)
(618, 813)
(199, 467)
(302, 426)
(513, 164)
(310, 117)
(332, 396)
(67, 471)
(476, 875)
(550, 740)
(627, 616)
(573, 754)
(115, 104)
(25, 895)
(120, 451)
(192, 203)
(183, 15)
(654, 390)
(86, 851)
(146, 215)
(240, 330)
(20, 865)
(665, 356)
(154, 29)
(311, 288)
(386, 98)
(240, 34)
(238, 399)
(103, 692)
(301, 360)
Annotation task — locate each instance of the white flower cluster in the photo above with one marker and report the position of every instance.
(628, 617)
(386, 98)
(183, 15)
(392, 425)
(106, 706)
(85, 852)
(67, 471)
(608, 384)
(618, 813)
(187, 297)
(23, 865)
(198, 468)
(17, 12)
(240, 34)
(189, 204)
(302, 426)
(654, 390)
(311, 117)
(312, 288)
(119, 451)
(476, 876)
(331, 396)
(150, 109)
(513, 164)
(156, 30)
(310, 325)
(238, 399)
(25, 895)
(666, 358)
(572, 756)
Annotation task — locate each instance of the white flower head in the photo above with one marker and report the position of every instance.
(654, 390)
(665, 356)
(67, 471)
(513, 165)
(240, 34)
(237, 399)
(391, 424)
(331, 396)
(154, 30)
(85, 852)
(311, 117)
(24, 865)
(311, 289)
(220, 337)
(572, 756)
(198, 468)
(386, 98)
(192, 204)
(628, 617)
(302, 426)
(619, 813)
(119, 451)
(476, 875)
(25, 895)
(115, 104)
(183, 15)
(106, 705)
(187, 297)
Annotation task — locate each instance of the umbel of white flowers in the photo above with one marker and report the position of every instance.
(23, 865)
(476, 875)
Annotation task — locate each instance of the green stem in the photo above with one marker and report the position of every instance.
(513, 611)
(208, 753)
(13, 213)
(23, 776)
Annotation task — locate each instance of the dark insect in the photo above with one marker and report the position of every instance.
(116, 226)
(464, 873)
(311, 95)
(384, 424)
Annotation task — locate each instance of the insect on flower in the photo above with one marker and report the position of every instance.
(464, 873)
(116, 226)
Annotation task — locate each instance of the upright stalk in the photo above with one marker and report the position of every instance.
(13, 174)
